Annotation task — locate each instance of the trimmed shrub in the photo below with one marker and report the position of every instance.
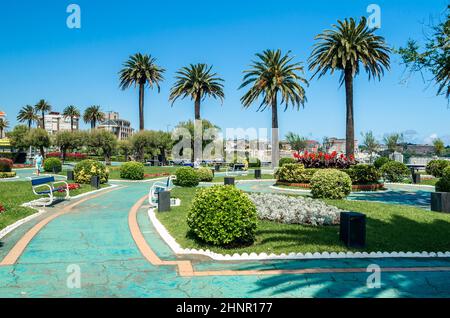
(85, 169)
(186, 177)
(363, 174)
(294, 173)
(132, 171)
(284, 161)
(436, 167)
(380, 161)
(223, 216)
(254, 163)
(205, 175)
(395, 171)
(5, 175)
(443, 185)
(51, 163)
(330, 184)
(6, 165)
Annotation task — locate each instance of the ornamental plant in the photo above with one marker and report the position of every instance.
(5, 175)
(223, 216)
(436, 167)
(380, 161)
(324, 160)
(186, 177)
(132, 171)
(85, 169)
(330, 184)
(6, 165)
(395, 171)
(284, 161)
(51, 163)
(2, 208)
(204, 175)
(294, 173)
(363, 174)
(443, 185)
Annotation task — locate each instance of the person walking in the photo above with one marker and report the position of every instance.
(38, 160)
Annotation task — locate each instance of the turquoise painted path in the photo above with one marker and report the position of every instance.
(95, 237)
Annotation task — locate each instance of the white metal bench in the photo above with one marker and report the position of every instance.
(46, 187)
(158, 187)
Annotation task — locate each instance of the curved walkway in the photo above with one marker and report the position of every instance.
(98, 236)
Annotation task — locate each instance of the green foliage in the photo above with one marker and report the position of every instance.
(85, 169)
(254, 163)
(18, 136)
(205, 175)
(186, 177)
(93, 115)
(132, 171)
(330, 184)
(296, 142)
(38, 138)
(103, 140)
(439, 147)
(393, 142)
(443, 185)
(363, 174)
(394, 171)
(144, 142)
(380, 161)
(68, 140)
(51, 163)
(223, 216)
(294, 173)
(436, 167)
(284, 161)
(4, 175)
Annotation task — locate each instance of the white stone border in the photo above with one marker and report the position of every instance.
(9, 179)
(177, 249)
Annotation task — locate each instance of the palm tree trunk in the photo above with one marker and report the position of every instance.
(275, 140)
(197, 107)
(42, 151)
(1, 133)
(43, 120)
(350, 128)
(141, 106)
(29, 125)
(71, 123)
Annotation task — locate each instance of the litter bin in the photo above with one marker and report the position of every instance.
(163, 201)
(70, 176)
(353, 229)
(228, 181)
(257, 173)
(95, 182)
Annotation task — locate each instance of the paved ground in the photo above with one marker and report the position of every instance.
(95, 237)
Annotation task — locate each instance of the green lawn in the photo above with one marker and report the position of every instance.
(431, 182)
(389, 228)
(13, 194)
(114, 172)
(250, 176)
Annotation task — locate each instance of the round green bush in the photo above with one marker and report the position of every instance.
(186, 177)
(394, 171)
(363, 174)
(294, 173)
(132, 171)
(284, 161)
(223, 216)
(205, 175)
(51, 163)
(443, 185)
(254, 163)
(380, 161)
(436, 167)
(330, 184)
(85, 169)
(6, 165)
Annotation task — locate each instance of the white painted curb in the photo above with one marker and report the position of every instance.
(20, 222)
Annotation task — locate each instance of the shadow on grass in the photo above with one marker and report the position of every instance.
(419, 198)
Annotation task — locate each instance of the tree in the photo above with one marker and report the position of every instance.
(27, 114)
(105, 141)
(163, 143)
(393, 141)
(71, 112)
(439, 147)
(125, 147)
(345, 48)
(69, 140)
(17, 137)
(434, 57)
(296, 142)
(272, 75)
(141, 70)
(197, 82)
(38, 138)
(369, 144)
(142, 142)
(3, 125)
(43, 107)
(93, 115)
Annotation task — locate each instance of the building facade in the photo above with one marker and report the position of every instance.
(55, 122)
(119, 127)
(338, 145)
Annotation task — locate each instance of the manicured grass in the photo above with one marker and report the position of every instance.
(249, 176)
(114, 172)
(15, 193)
(431, 182)
(389, 228)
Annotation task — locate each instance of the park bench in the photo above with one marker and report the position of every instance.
(236, 170)
(45, 186)
(157, 187)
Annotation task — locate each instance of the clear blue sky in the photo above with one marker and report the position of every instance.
(41, 58)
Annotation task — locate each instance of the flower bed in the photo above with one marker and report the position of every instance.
(155, 175)
(75, 156)
(325, 160)
(295, 210)
(22, 165)
(72, 186)
(355, 187)
(2, 208)
(6, 175)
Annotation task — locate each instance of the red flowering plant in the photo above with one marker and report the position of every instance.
(153, 175)
(324, 160)
(69, 155)
(72, 186)
(2, 208)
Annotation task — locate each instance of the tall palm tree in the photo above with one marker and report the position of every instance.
(197, 82)
(345, 48)
(274, 75)
(141, 70)
(71, 112)
(27, 114)
(44, 107)
(93, 115)
(3, 125)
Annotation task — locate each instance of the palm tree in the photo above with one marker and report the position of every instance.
(296, 142)
(71, 112)
(393, 141)
(93, 115)
(27, 114)
(197, 82)
(370, 144)
(3, 125)
(273, 75)
(43, 107)
(345, 48)
(141, 70)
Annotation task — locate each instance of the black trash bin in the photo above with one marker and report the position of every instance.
(163, 201)
(217, 168)
(257, 173)
(95, 182)
(353, 229)
(228, 181)
(70, 176)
